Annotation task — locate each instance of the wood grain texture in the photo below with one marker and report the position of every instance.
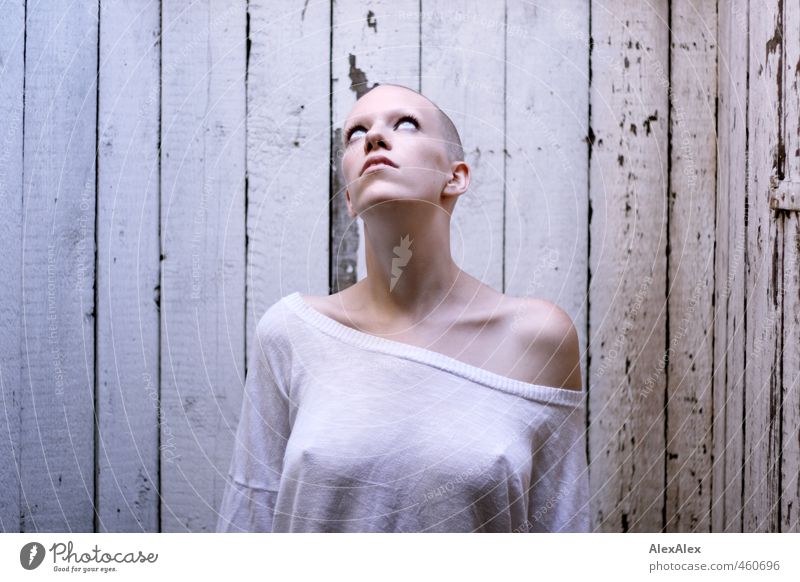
(375, 44)
(467, 82)
(288, 154)
(693, 91)
(628, 230)
(12, 77)
(790, 313)
(57, 460)
(203, 252)
(128, 268)
(763, 270)
(729, 294)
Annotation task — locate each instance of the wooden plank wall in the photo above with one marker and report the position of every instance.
(170, 170)
(789, 490)
(690, 260)
(12, 83)
(202, 251)
(729, 293)
(629, 232)
(763, 276)
(56, 459)
(128, 267)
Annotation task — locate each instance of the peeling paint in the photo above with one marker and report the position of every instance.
(358, 79)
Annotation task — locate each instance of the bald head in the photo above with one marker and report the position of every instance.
(449, 132)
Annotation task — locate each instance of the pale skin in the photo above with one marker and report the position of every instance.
(434, 304)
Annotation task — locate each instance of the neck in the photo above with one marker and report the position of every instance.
(410, 272)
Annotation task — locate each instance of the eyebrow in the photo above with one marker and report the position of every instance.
(391, 113)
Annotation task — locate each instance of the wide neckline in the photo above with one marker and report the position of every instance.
(430, 357)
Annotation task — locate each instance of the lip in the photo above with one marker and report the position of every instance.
(377, 160)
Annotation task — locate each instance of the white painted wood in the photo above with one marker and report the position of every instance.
(628, 228)
(288, 156)
(203, 248)
(761, 501)
(790, 382)
(57, 417)
(466, 80)
(172, 225)
(732, 67)
(128, 267)
(693, 47)
(547, 111)
(12, 72)
(375, 43)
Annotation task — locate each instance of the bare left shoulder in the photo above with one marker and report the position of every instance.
(550, 341)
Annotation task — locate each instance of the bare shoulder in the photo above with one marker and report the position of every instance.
(548, 335)
(333, 306)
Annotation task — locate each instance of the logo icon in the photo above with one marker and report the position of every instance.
(31, 555)
(403, 255)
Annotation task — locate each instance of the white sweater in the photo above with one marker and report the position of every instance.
(344, 431)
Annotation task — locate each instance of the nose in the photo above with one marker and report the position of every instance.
(376, 137)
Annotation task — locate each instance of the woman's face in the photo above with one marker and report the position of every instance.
(405, 128)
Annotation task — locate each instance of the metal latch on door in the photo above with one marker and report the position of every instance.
(784, 195)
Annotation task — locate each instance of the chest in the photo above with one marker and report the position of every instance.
(485, 338)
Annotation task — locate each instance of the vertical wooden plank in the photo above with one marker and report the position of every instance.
(128, 267)
(547, 106)
(468, 84)
(729, 295)
(761, 494)
(203, 251)
(628, 229)
(58, 268)
(288, 154)
(790, 381)
(12, 74)
(370, 44)
(693, 90)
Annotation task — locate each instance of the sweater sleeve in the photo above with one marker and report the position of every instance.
(254, 476)
(560, 501)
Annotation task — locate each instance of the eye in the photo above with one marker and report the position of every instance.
(408, 118)
(351, 131)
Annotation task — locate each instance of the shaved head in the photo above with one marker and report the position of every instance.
(449, 132)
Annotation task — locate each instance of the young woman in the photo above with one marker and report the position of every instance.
(418, 399)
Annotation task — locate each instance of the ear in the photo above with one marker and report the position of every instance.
(459, 179)
(349, 204)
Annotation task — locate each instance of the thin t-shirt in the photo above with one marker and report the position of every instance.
(345, 431)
